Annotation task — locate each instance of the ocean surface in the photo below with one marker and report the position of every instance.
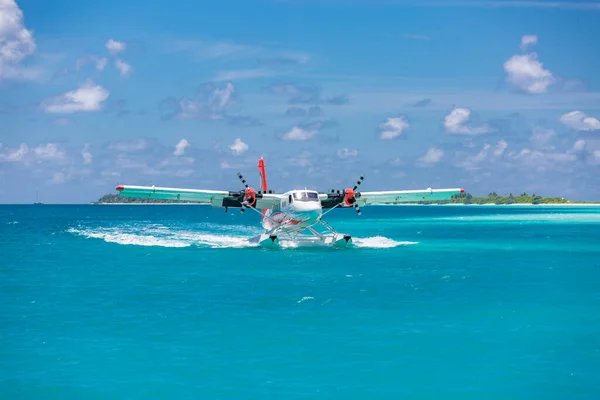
(171, 302)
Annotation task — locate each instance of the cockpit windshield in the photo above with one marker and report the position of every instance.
(306, 196)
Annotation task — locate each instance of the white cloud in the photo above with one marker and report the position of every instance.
(238, 147)
(541, 136)
(85, 153)
(180, 147)
(100, 62)
(16, 42)
(525, 72)
(222, 98)
(579, 146)
(346, 153)
(596, 155)
(226, 165)
(483, 153)
(579, 121)
(136, 145)
(543, 161)
(529, 156)
(49, 151)
(472, 163)
(297, 133)
(500, 147)
(455, 122)
(485, 156)
(211, 103)
(70, 173)
(433, 156)
(528, 40)
(15, 155)
(188, 108)
(44, 152)
(114, 47)
(396, 161)
(393, 128)
(124, 68)
(88, 97)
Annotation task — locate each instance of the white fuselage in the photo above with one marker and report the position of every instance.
(298, 210)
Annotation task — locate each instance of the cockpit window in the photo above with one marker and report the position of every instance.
(306, 196)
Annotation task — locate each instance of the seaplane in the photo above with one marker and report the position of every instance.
(292, 216)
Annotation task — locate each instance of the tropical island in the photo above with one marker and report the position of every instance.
(116, 199)
(463, 198)
(494, 198)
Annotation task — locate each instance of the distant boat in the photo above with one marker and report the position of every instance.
(37, 201)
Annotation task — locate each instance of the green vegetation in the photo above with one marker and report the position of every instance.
(493, 198)
(116, 199)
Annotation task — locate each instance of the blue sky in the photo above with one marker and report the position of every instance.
(486, 95)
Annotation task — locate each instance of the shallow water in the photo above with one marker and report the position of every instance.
(172, 302)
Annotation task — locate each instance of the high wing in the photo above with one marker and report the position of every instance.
(216, 198)
(406, 196)
(351, 197)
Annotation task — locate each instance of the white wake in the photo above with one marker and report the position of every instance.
(379, 242)
(163, 237)
(213, 236)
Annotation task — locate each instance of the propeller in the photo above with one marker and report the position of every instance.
(351, 195)
(249, 194)
(348, 196)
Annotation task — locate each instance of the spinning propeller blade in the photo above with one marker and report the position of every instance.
(357, 194)
(358, 182)
(242, 179)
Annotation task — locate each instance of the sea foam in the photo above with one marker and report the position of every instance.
(204, 235)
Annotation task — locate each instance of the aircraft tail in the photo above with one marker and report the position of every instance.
(263, 182)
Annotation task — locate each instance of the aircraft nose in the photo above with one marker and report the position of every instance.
(308, 206)
(314, 206)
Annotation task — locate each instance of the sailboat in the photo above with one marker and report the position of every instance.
(37, 201)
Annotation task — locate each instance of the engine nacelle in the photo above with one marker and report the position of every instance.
(343, 198)
(250, 196)
(350, 196)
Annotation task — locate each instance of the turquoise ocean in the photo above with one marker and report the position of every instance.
(171, 302)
